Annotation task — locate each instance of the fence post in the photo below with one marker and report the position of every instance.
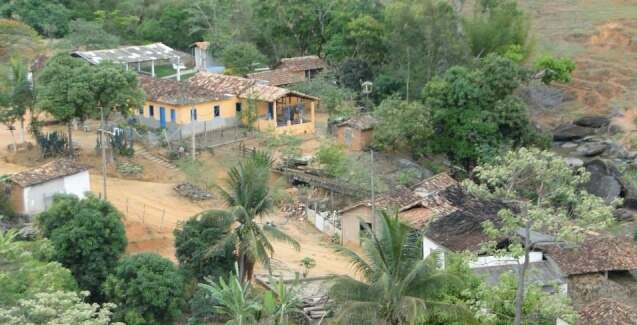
(161, 225)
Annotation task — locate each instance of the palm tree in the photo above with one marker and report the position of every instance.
(398, 285)
(19, 92)
(247, 195)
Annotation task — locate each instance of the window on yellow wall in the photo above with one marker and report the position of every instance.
(151, 110)
(216, 110)
(193, 114)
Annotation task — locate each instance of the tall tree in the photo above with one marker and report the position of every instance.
(49, 18)
(19, 93)
(63, 91)
(248, 197)
(18, 39)
(425, 40)
(547, 196)
(88, 236)
(475, 112)
(397, 283)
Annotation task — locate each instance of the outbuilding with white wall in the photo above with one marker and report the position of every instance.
(32, 190)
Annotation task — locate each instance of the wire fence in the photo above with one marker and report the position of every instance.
(158, 218)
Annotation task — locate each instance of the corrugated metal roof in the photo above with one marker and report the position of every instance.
(129, 54)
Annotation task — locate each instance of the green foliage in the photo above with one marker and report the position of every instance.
(90, 35)
(52, 144)
(247, 195)
(475, 114)
(403, 125)
(129, 168)
(122, 143)
(27, 270)
(555, 69)
(539, 308)
(241, 58)
(18, 39)
(57, 307)
(147, 289)
(281, 302)
(499, 27)
(549, 197)
(425, 39)
(196, 173)
(307, 263)
(6, 207)
(233, 297)
(353, 72)
(333, 159)
(398, 285)
(88, 236)
(49, 18)
(249, 113)
(199, 247)
(332, 96)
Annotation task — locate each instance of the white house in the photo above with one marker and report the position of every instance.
(32, 190)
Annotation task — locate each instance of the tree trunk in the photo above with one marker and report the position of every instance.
(519, 296)
(15, 144)
(22, 129)
(70, 131)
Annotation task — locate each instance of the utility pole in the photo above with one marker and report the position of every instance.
(371, 153)
(103, 145)
(192, 131)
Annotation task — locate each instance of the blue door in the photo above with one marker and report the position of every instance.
(162, 117)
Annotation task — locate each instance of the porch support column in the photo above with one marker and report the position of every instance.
(139, 66)
(312, 107)
(126, 66)
(152, 68)
(274, 113)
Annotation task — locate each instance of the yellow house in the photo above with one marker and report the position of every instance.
(210, 101)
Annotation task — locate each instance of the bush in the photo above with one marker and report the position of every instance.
(193, 242)
(27, 269)
(52, 144)
(57, 307)
(129, 168)
(88, 236)
(333, 158)
(147, 289)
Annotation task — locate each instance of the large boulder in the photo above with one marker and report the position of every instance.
(604, 181)
(592, 149)
(570, 132)
(592, 121)
(622, 215)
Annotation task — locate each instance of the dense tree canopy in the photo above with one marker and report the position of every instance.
(475, 113)
(147, 289)
(88, 237)
(193, 242)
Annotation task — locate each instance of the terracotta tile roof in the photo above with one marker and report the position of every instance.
(607, 312)
(47, 172)
(458, 226)
(361, 122)
(301, 63)
(171, 91)
(598, 254)
(416, 205)
(278, 77)
(289, 70)
(241, 87)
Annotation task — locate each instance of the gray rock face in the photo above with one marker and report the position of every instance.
(574, 162)
(592, 149)
(604, 181)
(622, 214)
(570, 132)
(593, 121)
(569, 145)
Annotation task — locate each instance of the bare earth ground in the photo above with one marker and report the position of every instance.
(152, 209)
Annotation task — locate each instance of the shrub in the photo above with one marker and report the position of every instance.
(193, 241)
(57, 307)
(129, 168)
(27, 269)
(52, 144)
(147, 289)
(88, 236)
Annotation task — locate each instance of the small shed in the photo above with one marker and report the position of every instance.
(356, 133)
(32, 190)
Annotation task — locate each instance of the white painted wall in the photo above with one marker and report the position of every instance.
(320, 222)
(428, 247)
(39, 197)
(484, 261)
